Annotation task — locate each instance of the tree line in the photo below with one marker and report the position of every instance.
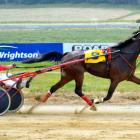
(68, 1)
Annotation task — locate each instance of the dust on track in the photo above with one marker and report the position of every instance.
(101, 126)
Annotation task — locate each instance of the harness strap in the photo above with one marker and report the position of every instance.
(131, 66)
(109, 50)
(125, 60)
(108, 56)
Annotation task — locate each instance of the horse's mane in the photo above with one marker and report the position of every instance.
(128, 41)
(124, 43)
(136, 32)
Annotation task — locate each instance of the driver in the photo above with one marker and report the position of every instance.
(9, 83)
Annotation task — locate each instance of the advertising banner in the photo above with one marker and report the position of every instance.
(68, 47)
(22, 51)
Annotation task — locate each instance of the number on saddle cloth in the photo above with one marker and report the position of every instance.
(94, 56)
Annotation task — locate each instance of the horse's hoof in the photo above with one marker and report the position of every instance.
(93, 108)
(97, 101)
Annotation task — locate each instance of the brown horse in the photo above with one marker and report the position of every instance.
(121, 67)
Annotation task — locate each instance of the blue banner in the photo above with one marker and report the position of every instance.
(22, 51)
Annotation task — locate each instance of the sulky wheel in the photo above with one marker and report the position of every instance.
(17, 99)
(5, 102)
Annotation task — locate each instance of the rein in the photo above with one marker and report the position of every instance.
(125, 60)
(127, 52)
(128, 63)
(31, 66)
(7, 73)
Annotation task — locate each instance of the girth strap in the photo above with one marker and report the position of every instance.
(108, 56)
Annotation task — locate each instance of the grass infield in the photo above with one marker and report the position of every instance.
(65, 35)
(44, 81)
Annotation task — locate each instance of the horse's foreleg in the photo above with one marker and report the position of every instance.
(111, 90)
(85, 98)
(134, 79)
(78, 91)
(55, 87)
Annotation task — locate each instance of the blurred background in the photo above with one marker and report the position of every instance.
(69, 1)
(69, 11)
(69, 21)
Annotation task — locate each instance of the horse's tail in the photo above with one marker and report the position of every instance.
(52, 56)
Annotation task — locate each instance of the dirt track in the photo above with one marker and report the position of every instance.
(111, 121)
(96, 126)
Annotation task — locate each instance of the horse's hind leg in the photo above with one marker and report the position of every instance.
(64, 79)
(78, 91)
(134, 79)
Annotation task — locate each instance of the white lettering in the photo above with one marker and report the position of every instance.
(17, 54)
(1, 54)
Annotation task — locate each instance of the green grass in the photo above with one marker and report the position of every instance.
(93, 84)
(44, 81)
(65, 35)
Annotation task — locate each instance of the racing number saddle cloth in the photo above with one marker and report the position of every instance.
(95, 56)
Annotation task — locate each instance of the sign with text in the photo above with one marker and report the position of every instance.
(68, 47)
(22, 51)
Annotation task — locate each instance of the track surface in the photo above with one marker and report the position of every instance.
(100, 125)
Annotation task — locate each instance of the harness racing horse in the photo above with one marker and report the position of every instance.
(120, 68)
